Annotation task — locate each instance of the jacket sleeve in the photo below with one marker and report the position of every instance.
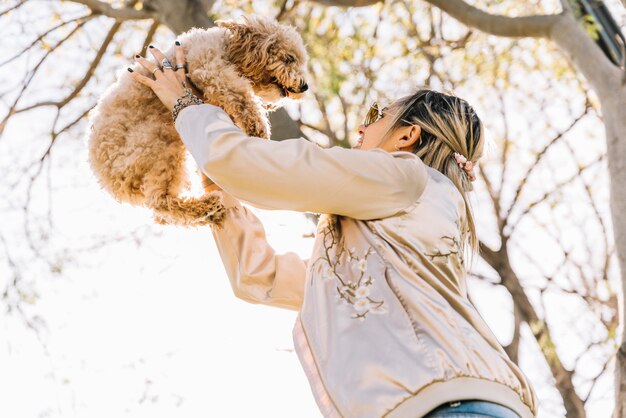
(256, 273)
(296, 174)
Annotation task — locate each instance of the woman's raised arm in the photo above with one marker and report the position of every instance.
(256, 273)
(296, 174)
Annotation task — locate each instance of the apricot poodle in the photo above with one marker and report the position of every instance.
(247, 68)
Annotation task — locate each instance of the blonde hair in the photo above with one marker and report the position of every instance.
(448, 125)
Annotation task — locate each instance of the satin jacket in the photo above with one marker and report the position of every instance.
(384, 326)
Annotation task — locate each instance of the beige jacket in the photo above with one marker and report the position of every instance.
(384, 327)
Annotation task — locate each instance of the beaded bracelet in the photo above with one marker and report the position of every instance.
(181, 104)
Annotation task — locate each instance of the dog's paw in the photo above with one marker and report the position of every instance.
(160, 220)
(260, 129)
(270, 107)
(214, 211)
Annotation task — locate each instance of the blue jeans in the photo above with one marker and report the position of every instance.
(471, 408)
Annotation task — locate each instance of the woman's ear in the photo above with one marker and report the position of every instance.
(411, 136)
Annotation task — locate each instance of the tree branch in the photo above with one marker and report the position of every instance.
(149, 36)
(86, 78)
(512, 349)
(10, 9)
(514, 224)
(182, 15)
(561, 28)
(347, 3)
(30, 76)
(539, 157)
(99, 7)
(40, 37)
(500, 261)
(536, 26)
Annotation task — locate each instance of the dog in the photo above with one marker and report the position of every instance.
(247, 68)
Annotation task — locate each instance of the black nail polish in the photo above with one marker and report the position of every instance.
(177, 43)
(137, 56)
(150, 46)
(130, 70)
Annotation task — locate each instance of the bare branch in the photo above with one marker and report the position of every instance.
(59, 132)
(344, 107)
(307, 125)
(102, 8)
(539, 157)
(562, 28)
(547, 194)
(486, 279)
(149, 36)
(347, 3)
(86, 78)
(537, 26)
(491, 256)
(40, 37)
(586, 56)
(512, 349)
(567, 8)
(332, 137)
(500, 261)
(284, 11)
(595, 379)
(30, 76)
(180, 16)
(2, 13)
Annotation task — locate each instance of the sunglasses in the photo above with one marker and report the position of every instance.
(373, 114)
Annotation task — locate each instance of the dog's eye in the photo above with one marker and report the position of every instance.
(289, 59)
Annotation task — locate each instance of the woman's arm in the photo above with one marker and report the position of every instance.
(296, 174)
(257, 274)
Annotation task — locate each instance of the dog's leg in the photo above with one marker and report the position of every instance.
(248, 114)
(207, 209)
(235, 95)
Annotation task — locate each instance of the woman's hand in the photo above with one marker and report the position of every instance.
(169, 83)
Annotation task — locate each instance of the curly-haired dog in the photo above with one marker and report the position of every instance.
(245, 68)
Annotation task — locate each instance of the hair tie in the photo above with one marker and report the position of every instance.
(466, 165)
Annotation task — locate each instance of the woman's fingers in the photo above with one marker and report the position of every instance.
(160, 57)
(148, 65)
(146, 81)
(180, 59)
(182, 72)
(167, 83)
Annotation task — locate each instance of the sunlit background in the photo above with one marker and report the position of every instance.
(106, 314)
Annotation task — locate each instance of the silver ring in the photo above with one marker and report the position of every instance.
(155, 70)
(166, 63)
(180, 66)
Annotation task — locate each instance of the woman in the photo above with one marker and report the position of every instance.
(384, 325)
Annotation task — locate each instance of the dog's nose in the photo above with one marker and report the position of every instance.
(304, 88)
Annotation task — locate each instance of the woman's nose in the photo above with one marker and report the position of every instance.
(361, 129)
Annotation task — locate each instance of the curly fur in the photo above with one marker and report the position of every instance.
(136, 153)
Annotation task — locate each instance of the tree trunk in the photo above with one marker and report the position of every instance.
(609, 83)
(614, 112)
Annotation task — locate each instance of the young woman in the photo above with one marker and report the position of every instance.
(384, 325)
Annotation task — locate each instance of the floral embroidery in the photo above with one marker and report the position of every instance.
(354, 293)
(455, 248)
(438, 253)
